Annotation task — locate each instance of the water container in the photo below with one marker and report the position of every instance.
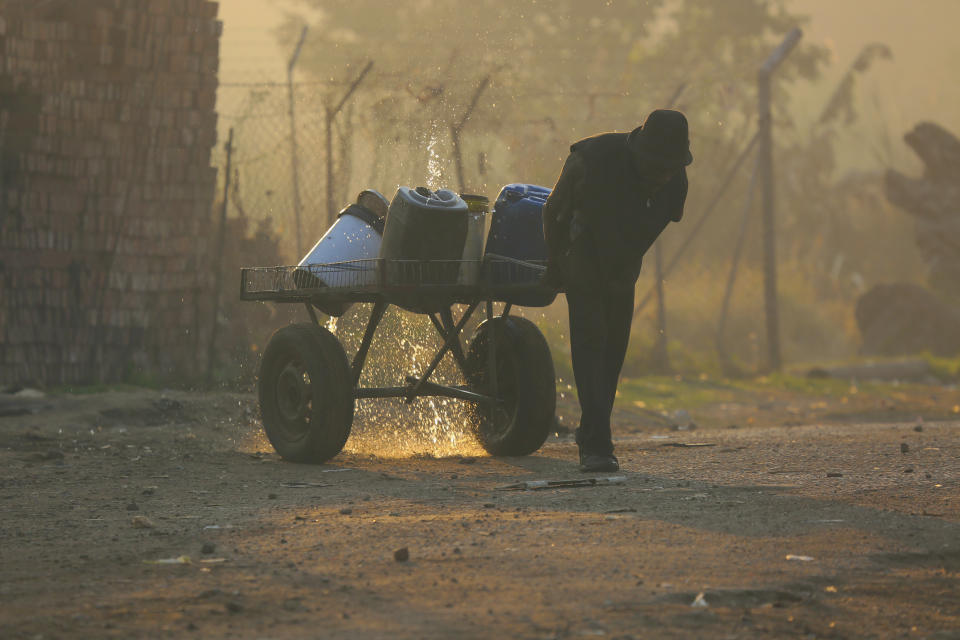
(515, 241)
(516, 229)
(345, 256)
(478, 207)
(424, 225)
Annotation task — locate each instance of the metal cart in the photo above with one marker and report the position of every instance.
(308, 386)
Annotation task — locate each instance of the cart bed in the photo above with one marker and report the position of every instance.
(409, 283)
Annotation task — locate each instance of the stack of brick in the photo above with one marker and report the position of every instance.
(107, 124)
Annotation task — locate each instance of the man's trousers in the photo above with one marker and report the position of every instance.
(600, 322)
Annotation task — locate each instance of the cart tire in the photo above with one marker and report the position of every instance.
(525, 383)
(306, 397)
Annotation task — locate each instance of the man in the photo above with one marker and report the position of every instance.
(615, 195)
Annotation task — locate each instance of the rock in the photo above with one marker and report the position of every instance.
(903, 318)
(44, 456)
(208, 548)
(133, 507)
(141, 522)
(904, 447)
(918, 428)
(346, 511)
(834, 474)
(234, 607)
(933, 200)
(402, 554)
(913, 369)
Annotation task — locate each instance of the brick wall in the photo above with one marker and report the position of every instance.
(107, 123)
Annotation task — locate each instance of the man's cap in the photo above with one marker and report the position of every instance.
(663, 140)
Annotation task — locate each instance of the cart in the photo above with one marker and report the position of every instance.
(308, 386)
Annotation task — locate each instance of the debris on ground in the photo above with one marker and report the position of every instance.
(699, 601)
(23, 402)
(688, 445)
(563, 484)
(303, 485)
(177, 560)
(791, 556)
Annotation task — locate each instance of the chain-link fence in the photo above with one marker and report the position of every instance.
(303, 150)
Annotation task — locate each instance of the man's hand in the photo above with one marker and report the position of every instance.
(553, 277)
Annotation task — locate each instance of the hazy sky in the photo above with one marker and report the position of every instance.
(920, 83)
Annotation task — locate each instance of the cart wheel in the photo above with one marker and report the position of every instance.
(306, 399)
(525, 385)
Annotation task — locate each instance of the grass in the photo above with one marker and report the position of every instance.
(669, 393)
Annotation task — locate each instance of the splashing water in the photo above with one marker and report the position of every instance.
(404, 345)
(434, 162)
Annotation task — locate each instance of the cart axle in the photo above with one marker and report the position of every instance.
(426, 389)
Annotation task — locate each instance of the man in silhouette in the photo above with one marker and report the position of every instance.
(615, 195)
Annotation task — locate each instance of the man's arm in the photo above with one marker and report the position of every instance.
(558, 212)
(676, 195)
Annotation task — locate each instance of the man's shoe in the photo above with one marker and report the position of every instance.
(592, 463)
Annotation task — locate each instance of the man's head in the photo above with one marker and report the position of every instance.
(661, 147)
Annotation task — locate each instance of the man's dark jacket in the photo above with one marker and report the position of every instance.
(603, 216)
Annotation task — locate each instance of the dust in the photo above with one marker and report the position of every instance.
(252, 439)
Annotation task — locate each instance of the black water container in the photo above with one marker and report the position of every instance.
(424, 237)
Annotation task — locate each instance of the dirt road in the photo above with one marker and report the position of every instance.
(149, 514)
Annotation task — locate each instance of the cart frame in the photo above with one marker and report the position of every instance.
(434, 297)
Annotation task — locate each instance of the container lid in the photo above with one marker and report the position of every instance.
(440, 199)
(526, 189)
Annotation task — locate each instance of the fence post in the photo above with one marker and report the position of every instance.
(218, 262)
(774, 360)
(331, 115)
(456, 129)
(294, 160)
(661, 356)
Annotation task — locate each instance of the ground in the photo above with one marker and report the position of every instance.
(770, 510)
